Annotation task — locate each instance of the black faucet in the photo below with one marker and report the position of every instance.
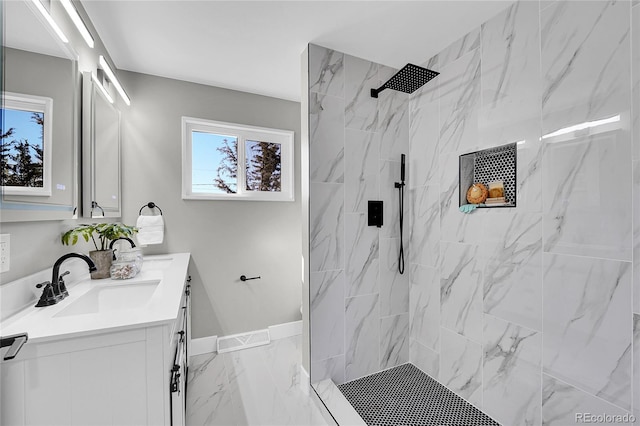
(56, 290)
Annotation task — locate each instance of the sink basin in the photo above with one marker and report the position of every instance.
(112, 298)
(155, 264)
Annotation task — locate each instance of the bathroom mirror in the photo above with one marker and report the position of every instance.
(40, 111)
(100, 151)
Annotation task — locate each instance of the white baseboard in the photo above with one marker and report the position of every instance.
(288, 329)
(305, 381)
(205, 345)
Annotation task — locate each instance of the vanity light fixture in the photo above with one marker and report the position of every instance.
(102, 89)
(49, 19)
(112, 77)
(77, 20)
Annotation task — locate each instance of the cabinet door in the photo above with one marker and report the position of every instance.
(12, 392)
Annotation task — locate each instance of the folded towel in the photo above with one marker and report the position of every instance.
(150, 230)
(468, 208)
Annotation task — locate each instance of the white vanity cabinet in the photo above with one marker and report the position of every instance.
(123, 376)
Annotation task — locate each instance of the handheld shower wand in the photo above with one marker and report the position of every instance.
(400, 187)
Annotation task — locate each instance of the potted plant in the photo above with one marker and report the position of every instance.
(102, 256)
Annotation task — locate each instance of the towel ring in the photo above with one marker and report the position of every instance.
(151, 205)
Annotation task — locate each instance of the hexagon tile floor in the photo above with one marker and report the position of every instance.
(405, 396)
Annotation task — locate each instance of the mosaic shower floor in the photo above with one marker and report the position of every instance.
(406, 396)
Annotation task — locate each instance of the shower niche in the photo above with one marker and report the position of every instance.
(489, 166)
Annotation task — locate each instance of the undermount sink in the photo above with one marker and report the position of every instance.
(112, 298)
(155, 264)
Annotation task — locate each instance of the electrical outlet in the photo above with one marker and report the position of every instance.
(5, 252)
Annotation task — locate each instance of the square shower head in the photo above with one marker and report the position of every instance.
(409, 79)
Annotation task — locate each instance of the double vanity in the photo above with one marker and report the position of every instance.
(114, 352)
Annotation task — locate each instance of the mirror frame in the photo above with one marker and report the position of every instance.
(90, 208)
(16, 210)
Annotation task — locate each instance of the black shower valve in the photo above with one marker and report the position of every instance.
(375, 213)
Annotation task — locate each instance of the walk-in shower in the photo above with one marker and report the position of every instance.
(362, 347)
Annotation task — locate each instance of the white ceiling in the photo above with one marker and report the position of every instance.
(255, 46)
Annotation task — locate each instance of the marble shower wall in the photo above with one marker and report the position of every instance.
(359, 303)
(532, 313)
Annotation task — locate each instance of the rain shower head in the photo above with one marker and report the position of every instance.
(409, 79)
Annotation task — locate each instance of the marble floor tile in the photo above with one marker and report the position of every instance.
(587, 326)
(256, 386)
(208, 393)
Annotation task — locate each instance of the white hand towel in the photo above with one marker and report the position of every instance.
(150, 230)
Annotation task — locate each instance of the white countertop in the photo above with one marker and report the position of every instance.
(43, 324)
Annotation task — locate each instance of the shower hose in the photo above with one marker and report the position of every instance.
(401, 205)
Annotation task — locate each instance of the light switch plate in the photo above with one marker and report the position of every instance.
(5, 251)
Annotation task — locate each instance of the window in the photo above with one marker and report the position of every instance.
(235, 162)
(26, 144)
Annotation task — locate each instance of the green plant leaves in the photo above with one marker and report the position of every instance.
(106, 233)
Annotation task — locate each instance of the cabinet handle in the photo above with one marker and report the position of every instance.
(175, 378)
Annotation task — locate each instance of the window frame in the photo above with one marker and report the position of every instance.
(244, 133)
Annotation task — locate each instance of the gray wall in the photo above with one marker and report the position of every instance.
(359, 302)
(527, 312)
(226, 238)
